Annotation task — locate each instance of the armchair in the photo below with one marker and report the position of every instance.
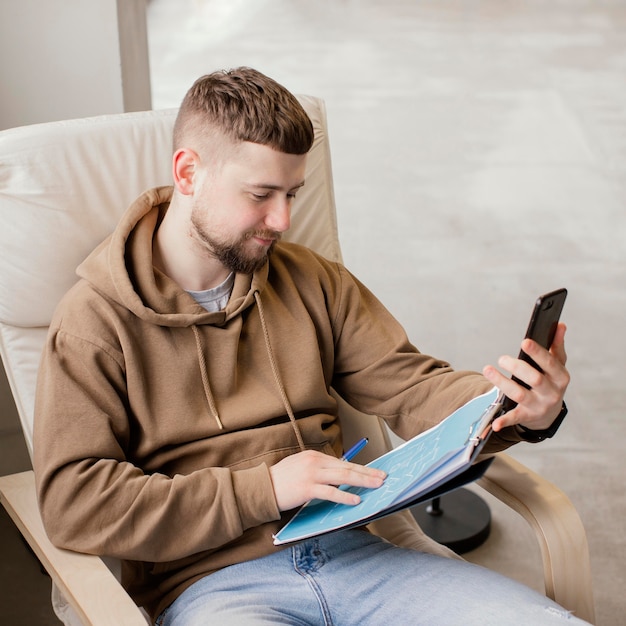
(62, 188)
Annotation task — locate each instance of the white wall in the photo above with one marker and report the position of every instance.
(63, 59)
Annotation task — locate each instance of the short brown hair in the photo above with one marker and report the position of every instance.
(244, 105)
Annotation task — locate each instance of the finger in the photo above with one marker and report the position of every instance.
(505, 384)
(542, 356)
(334, 494)
(352, 475)
(558, 344)
(363, 469)
(554, 375)
(524, 371)
(528, 401)
(495, 377)
(510, 418)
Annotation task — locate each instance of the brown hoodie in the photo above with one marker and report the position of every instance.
(156, 421)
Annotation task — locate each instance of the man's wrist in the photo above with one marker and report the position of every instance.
(535, 436)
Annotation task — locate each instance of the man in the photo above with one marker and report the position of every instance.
(183, 409)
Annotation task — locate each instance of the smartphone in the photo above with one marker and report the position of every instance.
(541, 328)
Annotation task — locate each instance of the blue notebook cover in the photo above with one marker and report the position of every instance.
(414, 470)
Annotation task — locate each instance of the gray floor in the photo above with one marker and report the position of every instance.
(479, 153)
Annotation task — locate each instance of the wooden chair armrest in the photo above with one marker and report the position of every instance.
(99, 599)
(86, 582)
(558, 529)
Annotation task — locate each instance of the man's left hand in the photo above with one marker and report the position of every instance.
(537, 407)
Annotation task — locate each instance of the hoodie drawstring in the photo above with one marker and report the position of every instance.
(205, 378)
(275, 372)
(270, 354)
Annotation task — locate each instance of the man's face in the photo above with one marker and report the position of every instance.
(242, 205)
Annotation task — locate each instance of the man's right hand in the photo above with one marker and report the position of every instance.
(310, 474)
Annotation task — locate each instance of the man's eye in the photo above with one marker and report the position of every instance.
(259, 197)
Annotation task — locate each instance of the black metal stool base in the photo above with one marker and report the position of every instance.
(459, 520)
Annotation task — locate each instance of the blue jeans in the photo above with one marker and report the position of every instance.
(352, 578)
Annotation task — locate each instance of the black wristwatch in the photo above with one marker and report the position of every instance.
(535, 436)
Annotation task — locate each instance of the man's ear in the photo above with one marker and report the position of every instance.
(184, 164)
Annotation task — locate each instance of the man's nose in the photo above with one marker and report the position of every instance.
(278, 218)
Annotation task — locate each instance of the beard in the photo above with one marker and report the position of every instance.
(235, 255)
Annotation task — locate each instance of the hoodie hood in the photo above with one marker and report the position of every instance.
(121, 269)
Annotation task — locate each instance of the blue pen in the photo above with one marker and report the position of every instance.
(355, 449)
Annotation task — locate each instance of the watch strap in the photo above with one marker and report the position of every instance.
(534, 436)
